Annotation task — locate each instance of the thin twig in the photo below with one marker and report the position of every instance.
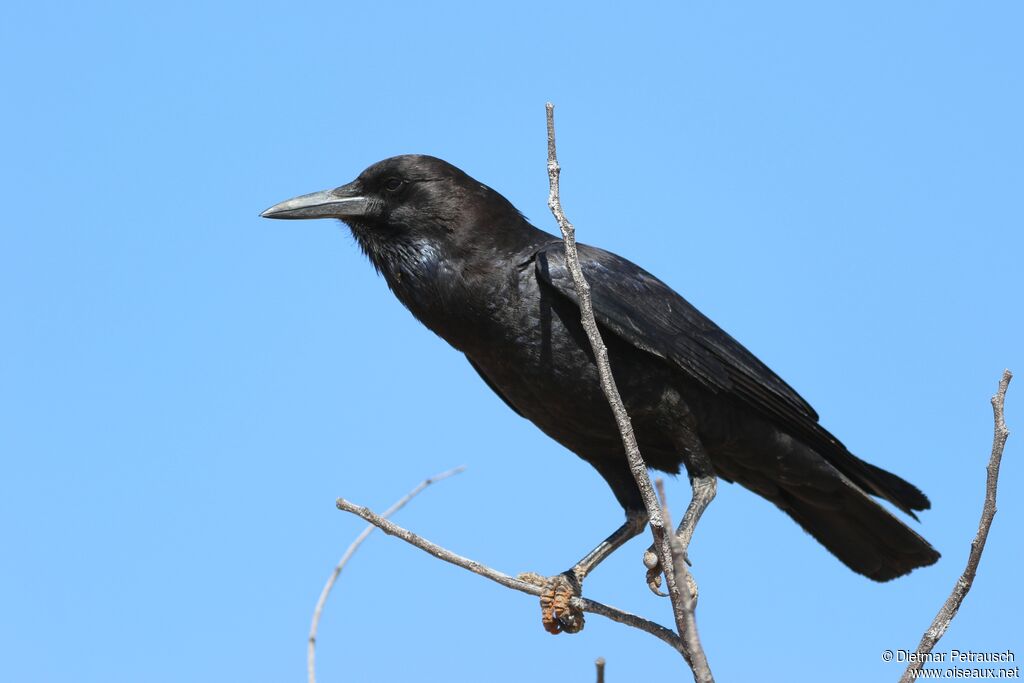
(599, 663)
(683, 577)
(318, 611)
(440, 553)
(988, 512)
(685, 623)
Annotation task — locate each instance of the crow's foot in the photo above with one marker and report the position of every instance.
(654, 573)
(557, 611)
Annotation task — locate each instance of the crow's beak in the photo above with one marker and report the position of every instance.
(342, 202)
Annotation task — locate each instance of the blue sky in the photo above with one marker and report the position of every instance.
(185, 388)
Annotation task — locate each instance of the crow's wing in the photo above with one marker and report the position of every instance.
(644, 311)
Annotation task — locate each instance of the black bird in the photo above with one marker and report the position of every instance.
(471, 268)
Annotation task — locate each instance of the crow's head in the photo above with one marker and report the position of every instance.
(406, 204)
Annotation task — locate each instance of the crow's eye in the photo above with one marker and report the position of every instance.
(393, 184)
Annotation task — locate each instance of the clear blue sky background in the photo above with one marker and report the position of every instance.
(185, 388)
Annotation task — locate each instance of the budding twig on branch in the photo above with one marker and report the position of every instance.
(988, 512)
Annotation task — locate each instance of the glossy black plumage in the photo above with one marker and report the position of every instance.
(462, 259)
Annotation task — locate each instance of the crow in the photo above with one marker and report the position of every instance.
(471, 268)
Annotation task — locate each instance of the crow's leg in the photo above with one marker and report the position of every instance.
(619, 477)
(635, 522)
(703, 484)
(557, 614)
(703, 487)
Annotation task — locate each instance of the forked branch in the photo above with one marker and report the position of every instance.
(333, 578)
(512, 582)
(682, 599)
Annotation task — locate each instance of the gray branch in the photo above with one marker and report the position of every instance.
(483, 570)
(318, 611)
(682, 606)
(682, 575)
(988, 513)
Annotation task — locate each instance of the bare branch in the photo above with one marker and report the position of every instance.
(685, 622)
(963, 585)
(611, 391)
(683, 577)
(318, 611)
(599, 663)
(440, 553)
